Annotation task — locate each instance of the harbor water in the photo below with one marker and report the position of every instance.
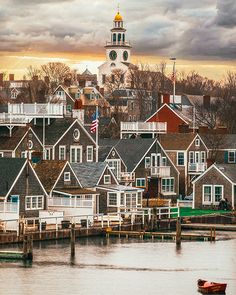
(120, 266)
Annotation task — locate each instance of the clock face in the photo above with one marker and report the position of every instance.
(125, 55)
(113, 55)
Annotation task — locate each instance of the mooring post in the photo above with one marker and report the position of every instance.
(30, 247)
(178, 231)
(25, 246)
(72, 240)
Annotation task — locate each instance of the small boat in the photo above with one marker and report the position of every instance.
(206, 287)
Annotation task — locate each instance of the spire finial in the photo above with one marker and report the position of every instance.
(118, 7)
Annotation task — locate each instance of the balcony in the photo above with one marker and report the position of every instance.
(127, 177)
(143, 127)
(36, 110)
(118, 43)
(161, 171)
(197, 167)
(77, 202)
(12, 119)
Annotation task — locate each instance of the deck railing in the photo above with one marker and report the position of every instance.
(77, 202)
(9, 207)
(197, 167)
(160, 171)
(143, 127)
(127, 176)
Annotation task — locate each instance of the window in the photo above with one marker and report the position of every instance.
(197, 142)
(76, 154)
(140, 182)
(218, 193)
(103, 79)
(231, 156)
(89, 153)
(107, 179)
(33, 202)
(112, 199)
(203, 157)
(67, 176)
(76, 134)
(115, 166)
(122, 199)
(128, 200)
(68, 108)
(62, 152)
(47, 154)
(147, 162)
(167, 185)
(30, 144)
(207, 194)
(180, 160)
(164, 161)
(139, 199)
(191, 157)
(1, 154)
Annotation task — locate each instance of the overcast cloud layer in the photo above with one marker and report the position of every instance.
(186, 29)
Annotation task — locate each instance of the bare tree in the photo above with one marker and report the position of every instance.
(56, 72)
(32, 72)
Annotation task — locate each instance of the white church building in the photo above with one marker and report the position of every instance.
(117, 52)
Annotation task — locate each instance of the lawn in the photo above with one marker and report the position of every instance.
(198, 212)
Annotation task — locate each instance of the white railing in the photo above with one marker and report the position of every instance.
(9, 207)
(127, 176)
(197, 167)
(161, 171)
(71, 202)
(160, 127)
(36, 109)
(6, 118)
(123, 43)
(185, 203)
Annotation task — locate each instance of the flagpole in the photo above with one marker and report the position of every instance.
(97, 134)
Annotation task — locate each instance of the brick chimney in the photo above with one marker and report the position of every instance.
(11, 77)
(1, 79)
(184, 128)
(203, 129)
(206, 101)
(166, 98)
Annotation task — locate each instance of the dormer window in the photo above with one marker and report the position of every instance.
(197, 142)
(67, 176)
(107, 179)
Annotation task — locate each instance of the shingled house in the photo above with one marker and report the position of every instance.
(66, 139)
(64, 189)
(216, 183)
(20, 184)
(143, 163)
(111, 196)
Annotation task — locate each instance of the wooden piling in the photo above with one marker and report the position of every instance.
(72, 240)
(28, 247)
(178, 231)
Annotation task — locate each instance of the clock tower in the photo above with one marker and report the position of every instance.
(117, 51)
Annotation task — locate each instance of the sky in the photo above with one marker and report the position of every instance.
(200, 34)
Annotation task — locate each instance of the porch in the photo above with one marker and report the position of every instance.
(129, 128)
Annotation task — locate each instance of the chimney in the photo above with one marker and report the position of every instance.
(97, 87)
(46, 80)
(166, 98)
(222, 130)
(1, 79)
(203, 129)
(102, 91)
(206, 101)
(11, 77)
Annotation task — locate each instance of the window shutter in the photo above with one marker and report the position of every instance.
(226, 157)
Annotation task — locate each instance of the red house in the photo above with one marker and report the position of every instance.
(172, 117)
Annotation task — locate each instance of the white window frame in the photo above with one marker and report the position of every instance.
(76, 147)
(140, 180)
(164, 161)
(229, 156)
(197, 142)
(147, 162)
(203, 194)
(62, 147)
(47, 154)
(1, 154)
(117, 171)
(29, 200)
(108, 199)
(168, 191)
(67, 176)
(107, 179)
(203, 157)
(89, 159)
(139, 198)
(214, 193)
(180, 152)
(191, 157)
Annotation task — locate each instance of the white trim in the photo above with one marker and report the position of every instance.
(165, 104)
(59, 154)
(104, 177)
(1, 154)
(67, 176)
(230, 162)
(22, 138)
(177, 160)
(31, 197)
(113, 148)
(169, 192)
(203, 191)
(140, 179)
(165, 152)
(64, 91)
(76, 147)
(214, 193)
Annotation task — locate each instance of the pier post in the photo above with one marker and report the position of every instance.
(178, 231)
(72, 240)
(27, 247)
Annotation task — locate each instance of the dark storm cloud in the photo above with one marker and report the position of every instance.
(226, 15)
(195, 29)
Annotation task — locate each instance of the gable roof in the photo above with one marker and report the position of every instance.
(132, 151)
(176, 141)
(54, 131)
(229, 170)
(9, 171)
(89, 173)
(48, 172)
(10, 143)
(105, 146)
(225, 141)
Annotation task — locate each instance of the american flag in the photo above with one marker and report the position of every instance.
(94, 125)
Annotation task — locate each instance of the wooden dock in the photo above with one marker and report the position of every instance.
(205, 226)
(162, 235)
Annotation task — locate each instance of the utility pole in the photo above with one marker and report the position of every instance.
(173, 77)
